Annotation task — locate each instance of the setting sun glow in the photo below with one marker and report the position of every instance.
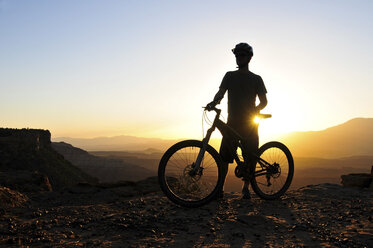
(89, 69)
(257, 119)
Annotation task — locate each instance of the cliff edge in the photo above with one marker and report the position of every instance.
(27, 158)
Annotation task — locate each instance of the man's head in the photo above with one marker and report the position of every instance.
(243, 53)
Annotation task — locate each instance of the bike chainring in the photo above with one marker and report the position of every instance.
(241, 170)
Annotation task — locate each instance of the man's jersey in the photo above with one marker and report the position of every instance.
(242, 91)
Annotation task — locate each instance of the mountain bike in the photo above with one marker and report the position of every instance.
(190, 172)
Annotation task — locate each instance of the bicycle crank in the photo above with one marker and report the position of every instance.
(241, 170)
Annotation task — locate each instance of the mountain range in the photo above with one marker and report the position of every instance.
(118, 143)
(108, 169)
(352, 138)
(320, 156)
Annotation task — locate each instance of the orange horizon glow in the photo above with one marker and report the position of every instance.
(91, 69)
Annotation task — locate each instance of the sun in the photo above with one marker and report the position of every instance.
(256, 119)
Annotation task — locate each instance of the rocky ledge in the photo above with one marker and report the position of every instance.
(358, 180)
(138, 215)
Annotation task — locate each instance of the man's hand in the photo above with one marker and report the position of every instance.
(217, 99)
(211, 105)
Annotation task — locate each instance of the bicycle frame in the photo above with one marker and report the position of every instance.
(226, 130)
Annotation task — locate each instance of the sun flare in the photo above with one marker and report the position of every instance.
(256, 119)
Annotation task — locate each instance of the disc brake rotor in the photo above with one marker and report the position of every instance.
(188, 172)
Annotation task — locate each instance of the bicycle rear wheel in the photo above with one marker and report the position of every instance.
(177, 183)
(271, 182)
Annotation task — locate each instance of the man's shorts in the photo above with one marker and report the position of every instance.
(250, 143)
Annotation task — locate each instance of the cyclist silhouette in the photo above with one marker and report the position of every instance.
(243, 87)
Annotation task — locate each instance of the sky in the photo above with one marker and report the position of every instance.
(145, 68)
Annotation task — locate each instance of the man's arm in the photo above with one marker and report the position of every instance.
(217, 98)
(263, 102)
(219, 95)
(262, 94)
(222, 89)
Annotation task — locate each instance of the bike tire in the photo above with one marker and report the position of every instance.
(274, 152)
(174, 186)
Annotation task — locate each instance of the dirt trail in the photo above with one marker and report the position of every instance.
(324, 215)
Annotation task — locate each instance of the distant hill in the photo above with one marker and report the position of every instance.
(352, 138)
(143, 159)
(118, 143)
(103, 168)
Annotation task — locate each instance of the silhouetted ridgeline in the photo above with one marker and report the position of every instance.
(25, 153)
(24, 138)
(104, 168)
(352, 138)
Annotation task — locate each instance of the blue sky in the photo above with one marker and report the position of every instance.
(145, 68)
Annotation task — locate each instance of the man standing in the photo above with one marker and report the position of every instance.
(243, 87)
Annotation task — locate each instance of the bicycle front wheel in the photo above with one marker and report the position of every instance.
(181, 186)
(274, 174)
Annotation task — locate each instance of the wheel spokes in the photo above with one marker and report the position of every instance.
(191, 186)
(272, 181)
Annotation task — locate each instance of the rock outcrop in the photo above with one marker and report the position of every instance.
(11, 198)
(359, 180)
(25, 153)
(25, 181)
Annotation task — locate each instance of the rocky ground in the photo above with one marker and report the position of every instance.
(324, 215)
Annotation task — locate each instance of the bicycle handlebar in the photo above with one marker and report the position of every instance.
(209, 108)
(264, 116)
(261, 116)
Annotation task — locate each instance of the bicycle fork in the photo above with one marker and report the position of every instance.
(201, 153)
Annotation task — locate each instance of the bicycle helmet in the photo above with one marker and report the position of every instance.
(243, 48)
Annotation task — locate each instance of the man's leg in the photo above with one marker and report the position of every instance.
(224, 175)
(251, 146)
(225, 153)
(245, 190)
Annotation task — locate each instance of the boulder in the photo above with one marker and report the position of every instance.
(25, 181)
(148, 185)
(360, 180)
(11, 198)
